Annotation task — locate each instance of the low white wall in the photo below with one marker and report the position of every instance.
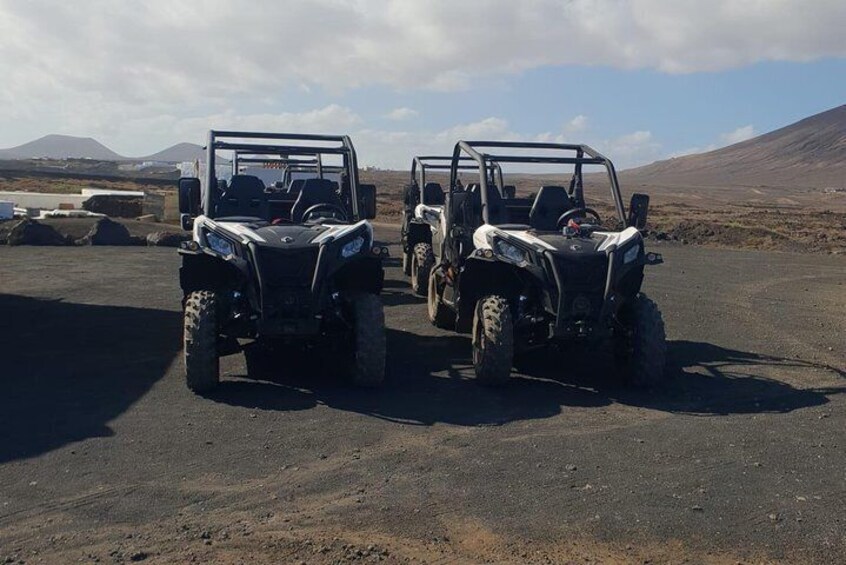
(44, 201)
(97, 191)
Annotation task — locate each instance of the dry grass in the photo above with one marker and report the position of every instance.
(798, 220)
(66, 185)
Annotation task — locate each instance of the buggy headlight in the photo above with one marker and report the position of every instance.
(509, 252)
(352, 247)
(631, 254)
(219, 244)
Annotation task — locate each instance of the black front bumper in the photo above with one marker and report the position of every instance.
(584, 301)
(291, 294)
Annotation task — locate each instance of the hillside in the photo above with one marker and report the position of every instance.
(810, 153)
(178, 153)
(70, 147)
(61, 147)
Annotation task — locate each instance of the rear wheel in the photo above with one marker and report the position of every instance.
(369, 347)
(202, 362)
(641, 347)
(493, 340)
(441, 315)
(422, 262)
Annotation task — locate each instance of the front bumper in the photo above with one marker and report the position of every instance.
(591, 289)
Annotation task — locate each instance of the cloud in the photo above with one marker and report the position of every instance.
(729, 138)
(488, 128)
(394, 149)
(738, 135)
(172, 51)
(577, 124)
(632, 149)
(142, 73)
(331, 119)
(401, 114)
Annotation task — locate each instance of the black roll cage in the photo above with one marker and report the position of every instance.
(285, 161)
(422, 163)
(584, 155)
(217, 140)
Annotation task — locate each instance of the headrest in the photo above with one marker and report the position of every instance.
(322, 185)
(246, 184)
(433, 193)
(296, 186)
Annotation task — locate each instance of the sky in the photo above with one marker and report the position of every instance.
(639, 80)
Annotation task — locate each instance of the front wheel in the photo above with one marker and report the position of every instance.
(641, 346)
(369, 342)
(493, 340)
(441, 315)
(422, 261)
(202, 361)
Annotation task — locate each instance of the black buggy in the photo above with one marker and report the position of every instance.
(423, 202)
(290, 258)
(523, 273)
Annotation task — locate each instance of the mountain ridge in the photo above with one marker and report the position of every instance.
(809, 153)
(60, 146)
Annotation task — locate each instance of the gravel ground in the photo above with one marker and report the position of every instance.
(106, 456)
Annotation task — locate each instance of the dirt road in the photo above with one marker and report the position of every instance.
(106, 456)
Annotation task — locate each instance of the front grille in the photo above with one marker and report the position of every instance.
(287, 269)
(582, 273)
(286, 278)
(583, 280)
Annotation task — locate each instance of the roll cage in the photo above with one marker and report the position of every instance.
(279, 161)
(260, 145)
(573, 154)
(423, 163)
(287, 164)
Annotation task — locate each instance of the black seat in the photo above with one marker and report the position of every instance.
(433, 194)
(497, 213)
(410, 196)
(315, 191)
(244, 196)
(550, 203)
(296, 186)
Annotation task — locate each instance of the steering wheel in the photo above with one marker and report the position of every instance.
(337, 212)
(570, 214)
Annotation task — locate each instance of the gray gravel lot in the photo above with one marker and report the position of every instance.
(104, 453)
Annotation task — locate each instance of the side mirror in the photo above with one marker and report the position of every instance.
(509, 191)
(638, 210)
(367, 201)
(189, 196)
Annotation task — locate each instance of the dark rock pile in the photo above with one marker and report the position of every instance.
(107, 232)
(31, 232)
(167, 238)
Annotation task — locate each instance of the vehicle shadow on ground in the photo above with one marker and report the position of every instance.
(68, 369)
(411, 394)
(701, 378)
(430, 381)
(396, 293)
